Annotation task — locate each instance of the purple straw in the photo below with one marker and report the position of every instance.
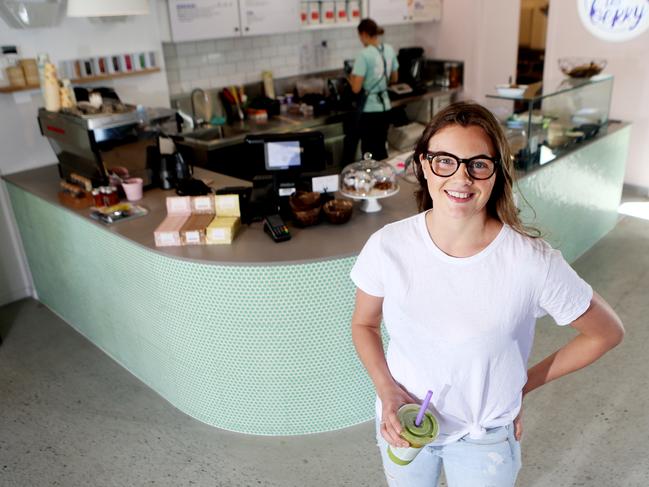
(422, 410)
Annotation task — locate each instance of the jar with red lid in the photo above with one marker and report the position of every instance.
(107, 196)
(97, 198)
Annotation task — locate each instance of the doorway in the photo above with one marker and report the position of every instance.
(531, 41)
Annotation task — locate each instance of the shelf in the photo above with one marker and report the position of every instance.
(333, 25)
(11, 89)
(88, 79)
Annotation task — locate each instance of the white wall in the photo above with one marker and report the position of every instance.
(627, 61)
(483, 34)
(222, 62)
(23, 147)
(72, 39)
(15, 280)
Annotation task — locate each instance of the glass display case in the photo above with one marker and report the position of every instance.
(543, 123)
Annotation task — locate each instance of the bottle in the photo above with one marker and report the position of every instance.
(50, 87)
(68, 100)
(453, 75)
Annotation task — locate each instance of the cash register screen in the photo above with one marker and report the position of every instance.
(280, 155)
(288, 154)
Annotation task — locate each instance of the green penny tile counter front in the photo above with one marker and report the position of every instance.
(255, 337)
(263, 350)
(575, 203)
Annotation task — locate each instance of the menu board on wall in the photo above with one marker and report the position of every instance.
(193, 20)
(614, 20)
(269, 16)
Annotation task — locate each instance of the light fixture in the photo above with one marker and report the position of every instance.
(26, 14)
(107, 8)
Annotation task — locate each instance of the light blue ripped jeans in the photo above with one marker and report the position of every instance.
(491, 461)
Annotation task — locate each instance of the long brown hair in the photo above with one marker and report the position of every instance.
(501, 202)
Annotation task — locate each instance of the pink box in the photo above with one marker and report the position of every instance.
(179, 205)
(179, 209)
(168, 232)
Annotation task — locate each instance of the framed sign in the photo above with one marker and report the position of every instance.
(614, 20)
(193, 20)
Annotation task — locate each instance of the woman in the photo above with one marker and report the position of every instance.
(459, 287)
(374, 68)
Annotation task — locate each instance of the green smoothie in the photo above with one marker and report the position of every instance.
(417, 436)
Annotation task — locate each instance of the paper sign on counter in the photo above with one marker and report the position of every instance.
(325, 184)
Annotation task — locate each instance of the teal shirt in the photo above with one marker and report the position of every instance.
(369, 65)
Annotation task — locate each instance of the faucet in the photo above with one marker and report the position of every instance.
(194, 119)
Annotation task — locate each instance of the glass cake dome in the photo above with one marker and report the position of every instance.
(368, 180)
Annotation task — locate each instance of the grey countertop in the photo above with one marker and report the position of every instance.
(251, 246)
(235, 133)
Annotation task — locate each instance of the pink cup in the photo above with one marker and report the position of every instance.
(133, 188)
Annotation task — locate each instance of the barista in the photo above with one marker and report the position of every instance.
(375, 67)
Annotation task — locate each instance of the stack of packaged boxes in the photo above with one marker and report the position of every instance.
(198, 220)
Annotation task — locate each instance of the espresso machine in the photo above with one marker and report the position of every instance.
(411, 60)
(91, 144)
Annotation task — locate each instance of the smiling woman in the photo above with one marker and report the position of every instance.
(459, 287)
(479, 138)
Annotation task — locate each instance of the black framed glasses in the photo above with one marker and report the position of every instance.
(445, 164)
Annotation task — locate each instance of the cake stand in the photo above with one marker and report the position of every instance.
(370, 202)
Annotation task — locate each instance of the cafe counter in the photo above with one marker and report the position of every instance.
(255, 337)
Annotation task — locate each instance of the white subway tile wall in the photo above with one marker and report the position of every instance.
(223, 62)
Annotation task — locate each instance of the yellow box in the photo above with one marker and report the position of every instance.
(222, 230)
(227, 205)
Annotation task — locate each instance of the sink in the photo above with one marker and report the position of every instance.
(206, 135)
(215, 133)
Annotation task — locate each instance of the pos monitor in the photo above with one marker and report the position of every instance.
(278, 162)
(286, 155)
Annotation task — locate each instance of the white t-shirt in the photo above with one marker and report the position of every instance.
(464, 327)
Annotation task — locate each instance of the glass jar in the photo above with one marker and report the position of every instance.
(105, 196)
(97, 198)
(453, 75)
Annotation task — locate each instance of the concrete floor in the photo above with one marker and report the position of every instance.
(70, 416)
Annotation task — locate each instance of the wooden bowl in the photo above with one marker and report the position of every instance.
(305, 200)
(305, 207)
(306, 218)
(338, 211)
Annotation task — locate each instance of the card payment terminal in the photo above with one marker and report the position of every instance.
(276, 228)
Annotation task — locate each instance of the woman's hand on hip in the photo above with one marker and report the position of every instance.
(392, 399)
(518, 425)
